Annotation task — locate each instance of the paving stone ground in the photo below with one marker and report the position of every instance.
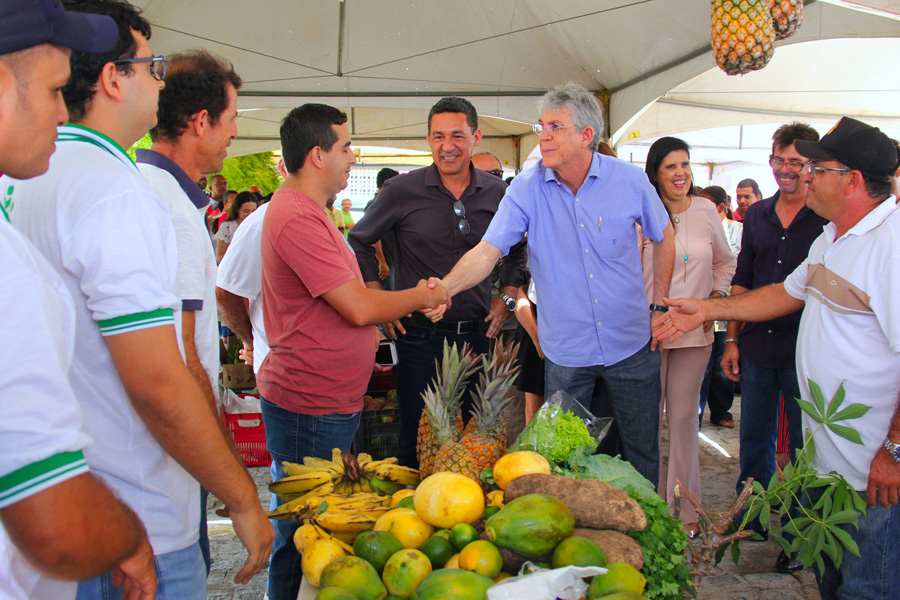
(754, 578)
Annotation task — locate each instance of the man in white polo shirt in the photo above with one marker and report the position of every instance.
(196, 123)
(102, 228)
(849, 334)
(41, 439)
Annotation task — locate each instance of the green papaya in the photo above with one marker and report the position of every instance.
(334, 593)
(354, 575)
(457, 584)
(531, 525)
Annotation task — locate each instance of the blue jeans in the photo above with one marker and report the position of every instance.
(761, 390)
(181, 575)
(634, 392)
(291, 436)
(874, 574)
(717, 390)
(204, 530)
(415, 368)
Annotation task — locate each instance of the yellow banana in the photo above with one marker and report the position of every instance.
(363, 459)
(344, 539)
(365, 486)
(342, 522)
(357, 488)
(284, 511)
(293, 469)
(325, 465)
(337, 458)
(300, 484)
(397, 474)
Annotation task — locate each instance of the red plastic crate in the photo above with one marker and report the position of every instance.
(249, 435)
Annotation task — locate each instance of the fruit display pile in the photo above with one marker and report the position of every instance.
(444, 537)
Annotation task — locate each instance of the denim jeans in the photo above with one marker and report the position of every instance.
(874, 574)
(761, 392)
(181, 575)
(416, 352)
(291, 436)
(204, 530)
(634, 392)
(717, 390)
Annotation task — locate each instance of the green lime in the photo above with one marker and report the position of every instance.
(376, 547)
(438, 549)
(489, 511)
(578, 552)
(462, 534)
(444, 533)
(620, 578)
(407, 503)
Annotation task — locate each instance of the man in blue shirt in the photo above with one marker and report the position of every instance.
(580, 209)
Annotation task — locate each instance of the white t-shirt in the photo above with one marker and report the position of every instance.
(105, 232)
(41, 441)
(226, 231)
(850, 333)
(241, 274)
(196, 267)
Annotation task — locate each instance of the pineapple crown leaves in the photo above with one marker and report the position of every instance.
(453, 372)
(439, 416)
(497, 376)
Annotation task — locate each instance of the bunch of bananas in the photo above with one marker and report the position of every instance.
(344, 476)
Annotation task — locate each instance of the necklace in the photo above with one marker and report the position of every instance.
(683, 244)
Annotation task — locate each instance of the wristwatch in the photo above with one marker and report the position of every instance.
(893, 449)
(510, 303)
(658, 308)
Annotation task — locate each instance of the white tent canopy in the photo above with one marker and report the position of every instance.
(385, 62)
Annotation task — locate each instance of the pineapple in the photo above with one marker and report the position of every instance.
(743, 35)
(786, 17)
(485, 435)
(447, 389)
(450, 454)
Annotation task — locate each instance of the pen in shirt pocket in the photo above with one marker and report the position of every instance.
(599, 223)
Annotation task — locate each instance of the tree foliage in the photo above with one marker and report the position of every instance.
(252, 169)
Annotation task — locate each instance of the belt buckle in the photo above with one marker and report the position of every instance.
(459, 325)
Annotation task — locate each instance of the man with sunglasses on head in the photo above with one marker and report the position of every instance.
(778, 233)
(108, 236)
(437, 214)
(849, 338)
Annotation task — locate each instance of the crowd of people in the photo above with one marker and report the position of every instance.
(119, 271)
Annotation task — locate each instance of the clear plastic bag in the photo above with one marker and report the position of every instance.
(541, 433)
(566, 583)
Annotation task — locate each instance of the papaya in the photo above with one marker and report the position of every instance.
(453, 583)
(404, 571)
(356, 576)
(335, 593)
(376, 547)
(531, 525)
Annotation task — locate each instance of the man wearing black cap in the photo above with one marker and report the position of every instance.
(849, 338)
(110, 239)
(42, 465)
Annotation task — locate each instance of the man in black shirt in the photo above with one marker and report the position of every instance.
(436, 215)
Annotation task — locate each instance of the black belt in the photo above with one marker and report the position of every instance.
(457, 327)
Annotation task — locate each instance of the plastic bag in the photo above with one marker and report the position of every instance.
(540, 435)
(566, 583)
(232, 404)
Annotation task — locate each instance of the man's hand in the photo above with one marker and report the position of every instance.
(256, 533)
(384, 271)
(136, 575)
(884, 480)
(246, 353)
(684, 315)
(731, 361)
(653, 341)
(437, 313)
(497, 317)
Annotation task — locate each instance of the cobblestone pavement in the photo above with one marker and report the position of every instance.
(754, 578)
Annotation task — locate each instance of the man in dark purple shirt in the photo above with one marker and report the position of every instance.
(778, 233)
(437, 214)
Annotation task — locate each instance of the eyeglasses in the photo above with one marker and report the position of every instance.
(460, 211)
(552, 128)
(795, 166)
(813, 170)
(496, 173)
(157, 65)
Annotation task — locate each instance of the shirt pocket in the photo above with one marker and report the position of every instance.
(615, 240)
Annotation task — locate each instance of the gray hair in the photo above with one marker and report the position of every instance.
(580, 102)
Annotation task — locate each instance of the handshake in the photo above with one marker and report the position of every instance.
(437, 298)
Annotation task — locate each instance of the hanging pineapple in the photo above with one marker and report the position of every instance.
(742, 35)
(786, 17)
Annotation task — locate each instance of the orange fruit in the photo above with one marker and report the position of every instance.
(445, 499)
(481, 557)
(406, 526)
(516, 464)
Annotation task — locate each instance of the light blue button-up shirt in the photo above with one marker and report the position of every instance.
(585, 257)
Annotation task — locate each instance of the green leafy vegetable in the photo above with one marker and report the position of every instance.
(571, 433)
